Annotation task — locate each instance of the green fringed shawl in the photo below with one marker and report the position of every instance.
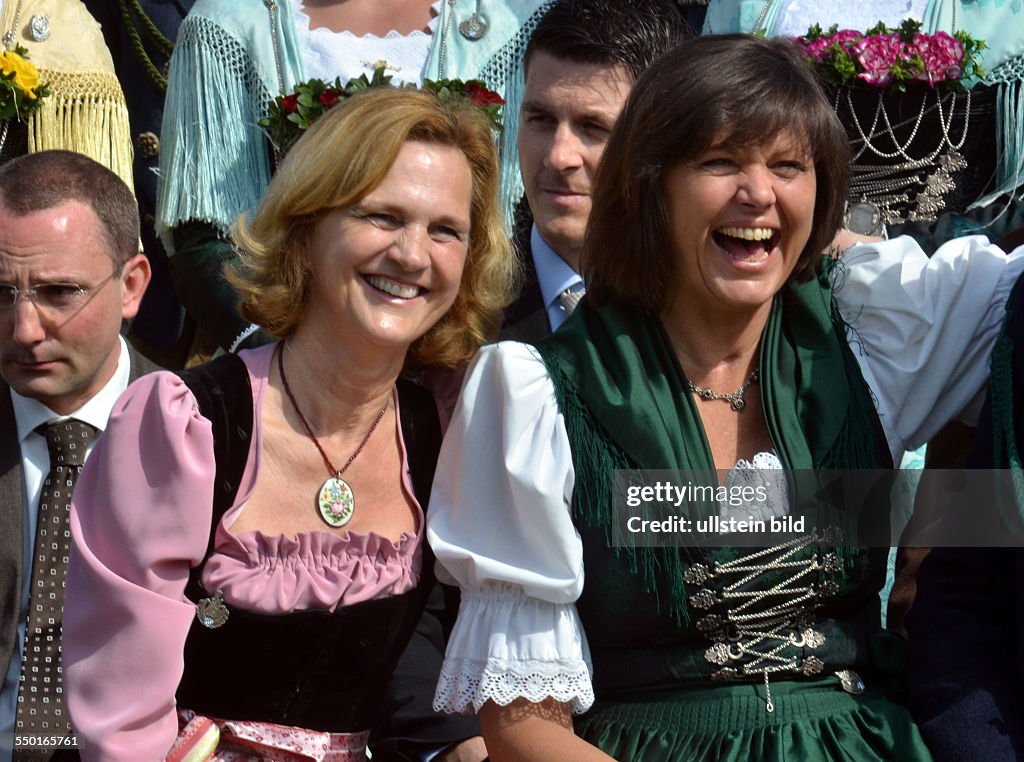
(624, 399)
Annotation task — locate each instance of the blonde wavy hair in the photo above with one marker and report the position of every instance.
(341, 159)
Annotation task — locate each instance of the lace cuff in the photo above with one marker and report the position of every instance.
(508, 645)
(466, 684)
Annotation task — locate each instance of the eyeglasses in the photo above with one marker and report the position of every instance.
(56, 297)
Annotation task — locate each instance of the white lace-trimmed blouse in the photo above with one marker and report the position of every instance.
(328, 54)
(499, 523)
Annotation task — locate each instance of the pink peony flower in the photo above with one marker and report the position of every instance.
(819, 49)
(942, 55)
(846, 38)
(877, 54)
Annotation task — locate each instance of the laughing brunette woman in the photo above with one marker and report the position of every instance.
(709, 339)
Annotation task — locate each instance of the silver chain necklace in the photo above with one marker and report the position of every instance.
(735, 399)
(914, 189)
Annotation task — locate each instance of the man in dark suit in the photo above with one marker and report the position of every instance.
(581, 63)
(70, 274)
(140, 36)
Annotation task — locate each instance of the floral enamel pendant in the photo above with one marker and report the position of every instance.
(336, 502)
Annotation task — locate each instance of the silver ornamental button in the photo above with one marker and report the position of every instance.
(813, 638)
(474, 27)
(211, 612)
(850, 681)
(864, 217)
(696, 574)
(830, 563)
(828, 589)
(717, 654)
(148, 145)
(39, 27)
(705, 599)
(812, 665)
(709, 623)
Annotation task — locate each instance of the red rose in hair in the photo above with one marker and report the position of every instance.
(481, 97)
(290, 103)
(329, 97)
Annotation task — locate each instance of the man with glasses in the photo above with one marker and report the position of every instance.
(70, 273)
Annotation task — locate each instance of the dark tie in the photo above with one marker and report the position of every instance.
(571, 297)
(40, 694)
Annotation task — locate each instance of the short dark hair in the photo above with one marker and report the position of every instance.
(43, 180)
(742, 88)
(629, 33)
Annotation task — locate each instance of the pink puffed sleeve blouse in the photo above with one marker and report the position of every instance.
(140, 520)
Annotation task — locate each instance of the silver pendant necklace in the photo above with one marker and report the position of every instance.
(474, 27)
(335, 502)
(735, 399)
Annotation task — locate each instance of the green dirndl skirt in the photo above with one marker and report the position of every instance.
(812, 720)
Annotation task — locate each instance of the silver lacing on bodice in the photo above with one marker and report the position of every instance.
(760, 607)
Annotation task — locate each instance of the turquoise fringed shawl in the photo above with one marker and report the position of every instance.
(215, 161)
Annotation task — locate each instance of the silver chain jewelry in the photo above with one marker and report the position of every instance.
(11, 34)
(272, 10)
(735, 399)
(760, 18)
(760, 609)
(442, 56)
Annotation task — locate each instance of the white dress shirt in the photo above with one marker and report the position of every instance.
(554, 276)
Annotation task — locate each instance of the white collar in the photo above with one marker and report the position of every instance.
(553, 273)
(30, 413)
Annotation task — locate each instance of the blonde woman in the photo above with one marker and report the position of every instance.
(388, 257)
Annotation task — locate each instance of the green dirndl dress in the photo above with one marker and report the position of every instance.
(670, 700)
(722, 653)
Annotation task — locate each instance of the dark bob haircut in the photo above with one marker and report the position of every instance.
(731, 90)
(628, 33)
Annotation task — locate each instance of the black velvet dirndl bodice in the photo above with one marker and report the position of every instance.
(317, 669)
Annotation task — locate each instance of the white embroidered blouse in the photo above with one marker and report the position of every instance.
(499, 523)
(328, 54)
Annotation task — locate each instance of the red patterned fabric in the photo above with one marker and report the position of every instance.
(206, 739)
